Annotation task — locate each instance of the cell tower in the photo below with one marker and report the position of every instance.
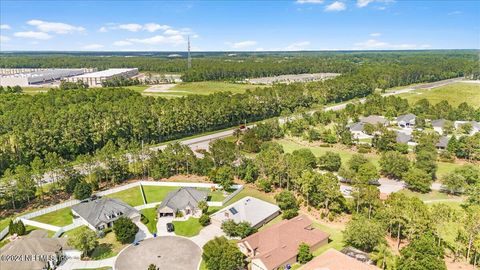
(189, 65)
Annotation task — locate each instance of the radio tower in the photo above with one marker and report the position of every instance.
(189, 65)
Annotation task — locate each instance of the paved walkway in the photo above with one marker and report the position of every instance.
(78, 264)
(206, 234)
(143, 232)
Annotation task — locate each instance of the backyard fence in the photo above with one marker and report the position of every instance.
(40, 225)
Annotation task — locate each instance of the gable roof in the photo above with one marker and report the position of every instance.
(32, 245)
(406, 117)
(357, 126)
(183, 197)
(374, 119)
(442, 142)
(279, 243)
(336, 260)
(103, 210)
(438, 123)
(249, 209)
(403, 137)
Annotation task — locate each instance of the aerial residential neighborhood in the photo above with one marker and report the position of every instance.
(239, 135)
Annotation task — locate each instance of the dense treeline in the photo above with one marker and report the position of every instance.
(388, 68)
(71, 123)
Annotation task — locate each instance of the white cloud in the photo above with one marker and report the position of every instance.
(5, 26)
(4, 39)
(152, 27)
(33, 35)
(132, 27)
(298, 46)
(103, 29)
(55, 27)
(242, 44)
(375, 34)
(364, 3)
(336, 6)
(92, 46)
(171, 32)
(122, 43)
(373, 44)
(309, 1)
(456, 12)
(159, 39)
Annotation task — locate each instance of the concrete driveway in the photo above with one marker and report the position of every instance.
(162, 226)
(206, 234)
(166, 252)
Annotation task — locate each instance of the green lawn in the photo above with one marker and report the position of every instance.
(453, 93)
(108, 246)
(205, 88)
(59, 218)
(157, 193)
(247, 191)
(4, 222)
(188, 228)
(150, 215)
(214, 196)
(131, 196)
(203, 266)
(434, 195)
(137, 88)
(73, 232)
(345, 154)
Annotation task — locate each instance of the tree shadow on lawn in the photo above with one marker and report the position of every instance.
(102, 251)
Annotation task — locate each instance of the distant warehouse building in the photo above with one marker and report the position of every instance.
(95, 79)
(38, 77)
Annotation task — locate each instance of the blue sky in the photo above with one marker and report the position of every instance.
(239, 25)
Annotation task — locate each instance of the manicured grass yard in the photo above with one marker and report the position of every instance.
(156, 193)
(188, 228)
(454, 94)
(151, 215)
(433, 195)
(73, 232)
(247, 191)
(214, 196)
(59, 218)
(108, 246)
(131, 196)
(4, 222)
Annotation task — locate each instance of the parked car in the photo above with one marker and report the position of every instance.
(170, 227)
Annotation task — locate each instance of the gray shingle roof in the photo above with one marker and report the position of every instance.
(442, 142)
(403, 138)
(183, 197)
(406, 117)
(103, 210)
(357, 126)
(438, 123)
(374, 119)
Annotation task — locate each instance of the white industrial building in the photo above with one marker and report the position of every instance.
(95, 79)
(38, 77)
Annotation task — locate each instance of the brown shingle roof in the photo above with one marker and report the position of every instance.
(335, 260)
(278, 243)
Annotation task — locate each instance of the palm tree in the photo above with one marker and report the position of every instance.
(383, 257)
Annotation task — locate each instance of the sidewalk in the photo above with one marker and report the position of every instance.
(78, 264)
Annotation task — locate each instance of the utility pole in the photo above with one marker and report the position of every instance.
(189, 65)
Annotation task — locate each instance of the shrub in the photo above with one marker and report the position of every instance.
(16, 228)
(304, 254)
(204, 220)
(82, 191)
(125, 230)
(233, 229)
(264, 185)
(290, 213)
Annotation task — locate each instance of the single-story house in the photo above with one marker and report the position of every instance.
(406, 120)
(374, 120)
(252, 210)
(403, 137)
(357, 131)
(277, 246)
(442, 142)
(184, 200)
(335, 260)
(438, 125)
(475, 126)
(102, 213)
(36, 251)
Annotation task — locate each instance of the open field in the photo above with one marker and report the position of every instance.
(59, 218)
(454, 94)
(131, 196)
(430, 196)
(196, 88)
(345, 154)
(188, 228)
